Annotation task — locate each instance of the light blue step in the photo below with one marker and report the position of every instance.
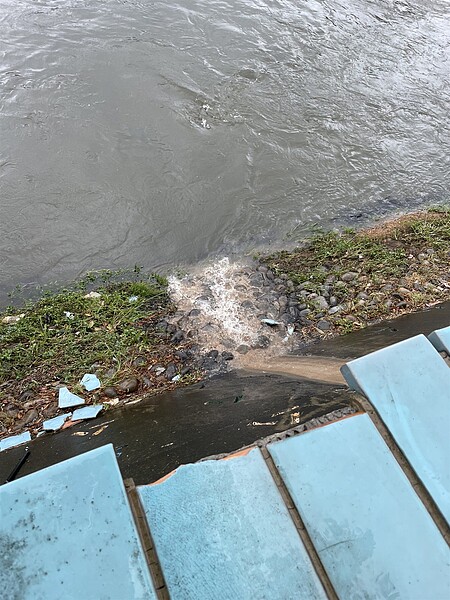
(67, 532)
(371, 531)
(222, 531)
(441, 339)
(409, 385)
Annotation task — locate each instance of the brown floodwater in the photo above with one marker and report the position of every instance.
(164, 132)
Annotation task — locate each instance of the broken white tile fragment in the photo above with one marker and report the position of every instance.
(271, 322)
(69, 315)
(66, 399)
(93, 295)
(56, 423)
(133, 299)
(176, 378)
(90, 382)
(87, 412)
(15, 440)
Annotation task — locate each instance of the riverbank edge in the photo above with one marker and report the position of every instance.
(346, 280)
(317, 296)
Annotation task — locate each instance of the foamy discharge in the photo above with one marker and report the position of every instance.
(230, 304)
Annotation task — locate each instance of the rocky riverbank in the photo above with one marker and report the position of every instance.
(145, 335)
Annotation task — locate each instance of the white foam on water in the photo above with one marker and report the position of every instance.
(218, 290)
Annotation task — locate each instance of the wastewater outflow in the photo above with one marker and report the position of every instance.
(235, 307)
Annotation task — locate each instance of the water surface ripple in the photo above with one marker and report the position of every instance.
(161, 132)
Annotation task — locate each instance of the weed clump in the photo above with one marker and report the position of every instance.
(363, 276)
(115, 327)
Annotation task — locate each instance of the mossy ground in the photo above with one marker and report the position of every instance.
(401, 266)
(63, 335)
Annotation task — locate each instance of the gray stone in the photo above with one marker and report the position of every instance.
(334, 309)
(227, 355)
(362, 296)
(178, 336)
(139, 361)
(110, 391)
(171, 371)
(262, 342)
(323, 325)
(304, 313)
(350, 276)
(321, 303)
(387, 287)
(282, 301)
(247, 304)
(242, 349)
(403, 290)
(286, 318)
(333, 301)
(306, 321)
(128, 385)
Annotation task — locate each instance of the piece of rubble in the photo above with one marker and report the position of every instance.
(15, 440)
(56, 423)
(90, 382)
(87, 412)
(271, 322)
(12, 319)
(66, 399)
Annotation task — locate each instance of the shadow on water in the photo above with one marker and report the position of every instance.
(160, 433)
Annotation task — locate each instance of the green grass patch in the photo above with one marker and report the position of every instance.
(62, 334)
(339, 252)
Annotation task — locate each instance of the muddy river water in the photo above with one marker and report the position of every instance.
(164, 132)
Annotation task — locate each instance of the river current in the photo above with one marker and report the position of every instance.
(160, 133)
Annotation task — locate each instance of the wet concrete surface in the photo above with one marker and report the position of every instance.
(224, 413)
(359, 343)
(160, 433)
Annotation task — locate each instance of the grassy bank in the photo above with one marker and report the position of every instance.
(115, 328)
(349, 279)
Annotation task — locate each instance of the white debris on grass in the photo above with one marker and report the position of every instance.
(12, 319)
(90, 382)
